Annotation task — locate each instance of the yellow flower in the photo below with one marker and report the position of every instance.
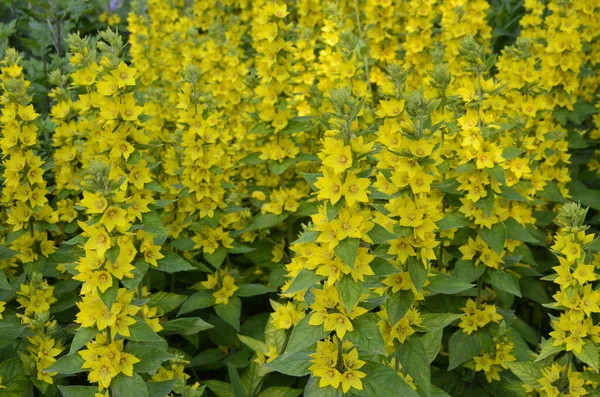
(330, 188)
(339, 159)
(339, 323)
(107, 86)
(355, 189)
(102, 372)
(584, 273)
(351, 379)
(124, 75)
(139, 175)
(468, 324)
(115, 217)
(390, 108)
(98, 240)
(101, 280)
(483, 363)
(329, 377)
(27, 113)
(128, 109)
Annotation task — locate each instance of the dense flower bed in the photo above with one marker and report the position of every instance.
(270, 198)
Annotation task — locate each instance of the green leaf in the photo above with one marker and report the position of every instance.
(230, 313)
(186, 326)
(548, 349)
(515, 231)
(254, 344)
(436, 321)
(261, 128)
(150, 358)
(199, 300)
(298, 124)
(3, 281)
(141, 332)
(253, 377)
(383, 381)
(347, 250)
(510, 153)
(220, 388)
(6, 253)
(486, 204)
(280, 391)
(109, 296)
(166, 302)
(67, 365)
(413, 356)
(78, 391)
(303, 280)
(16, 383)
(154, 186)
(505, 281)
(295, 364)
(494, 237)
(153, 223)
(265, 221)
(350, 291)
(511, 194)
(127, 386)
(453, 220)
(217, 258)
(252, 159)
(172, 263)
(83, 336)
(462, 348)
(526, 331)
(366, 335)
(588, 375)
(584, 195)
(279, 168)
(311, 179)
(10, 331)
(447, 186)
(307, 237)
(443, 283)
(528, 372)
(304, 336)
(380, 235)
(497, 173)
(160, 389)
(467, 271)
(246, 290)
(552, 193)
(139, 271)
(589, 355)
(398, 304)
(432, 342)
(236, 382)
(418, 273)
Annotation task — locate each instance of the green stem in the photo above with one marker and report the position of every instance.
(286, 340)
(258, 386)
(479, 100)
(140, 288)
(564, 377)
(479, 287)
(366, 57)
(340, 360)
